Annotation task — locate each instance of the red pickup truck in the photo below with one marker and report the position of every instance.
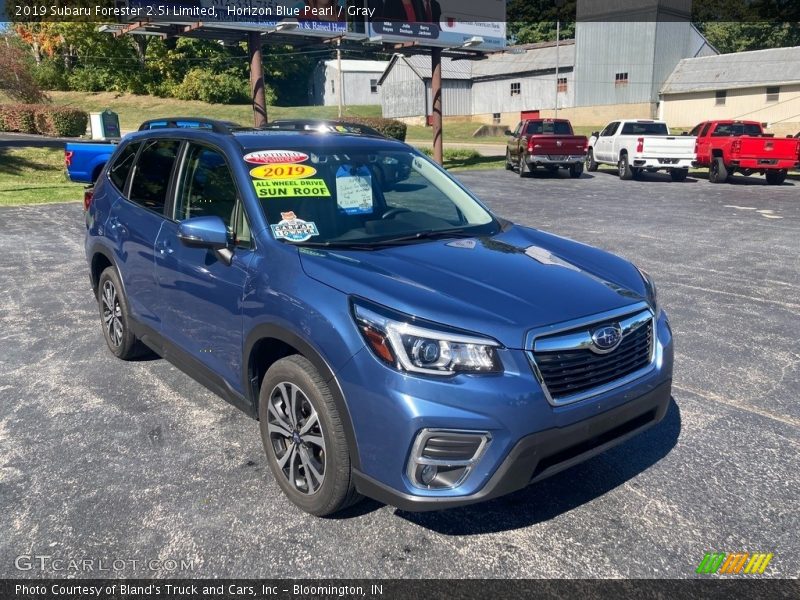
(726, 147)
(549, 143)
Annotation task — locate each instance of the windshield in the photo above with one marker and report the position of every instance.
(736, 129)
(549, 127)
(645, 129)
(363, 198)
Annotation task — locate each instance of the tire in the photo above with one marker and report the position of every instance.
(114, 317)
(678, 174)
(523, 167)
(576, 170)
(775, 177)
(509, 164)
(591, 165)
(306, 446)
(624, 168)
(717, 173)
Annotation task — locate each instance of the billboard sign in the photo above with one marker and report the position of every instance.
(479, 24)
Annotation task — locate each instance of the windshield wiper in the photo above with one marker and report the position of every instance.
(336, 245)
(430, 234)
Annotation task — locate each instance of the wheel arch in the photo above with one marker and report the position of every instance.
(101, 260)
(266, 344)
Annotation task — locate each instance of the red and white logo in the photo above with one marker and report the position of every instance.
(271, 157)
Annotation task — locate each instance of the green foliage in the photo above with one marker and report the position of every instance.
(50, 74)
(16, 79)
(217, 88)
(455, 154)
(44, 119)
(748, 35)
(533, 21)
(388, 127)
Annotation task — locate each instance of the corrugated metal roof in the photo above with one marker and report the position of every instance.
(359, 66)
(738, 70)
(517, 59)
(535, 57)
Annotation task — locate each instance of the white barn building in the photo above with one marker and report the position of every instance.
(360, 82)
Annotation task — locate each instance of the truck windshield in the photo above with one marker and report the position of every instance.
(548, 127)
(345, 197)
(736, 129)
(645, 129)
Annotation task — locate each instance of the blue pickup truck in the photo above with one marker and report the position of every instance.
(85, 160)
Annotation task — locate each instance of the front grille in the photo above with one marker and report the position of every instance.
(570, 372)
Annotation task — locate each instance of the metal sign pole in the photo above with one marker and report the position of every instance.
(436, 93)
(257, 79)
(341, 78)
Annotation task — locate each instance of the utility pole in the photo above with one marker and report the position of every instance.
(341, 78)
(558, 34)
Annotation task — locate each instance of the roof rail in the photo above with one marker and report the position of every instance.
(189, 123)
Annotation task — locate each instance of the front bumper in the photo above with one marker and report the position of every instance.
(530, 438)
(556, 160)
(542, 454)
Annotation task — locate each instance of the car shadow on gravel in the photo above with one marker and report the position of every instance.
(562, 492)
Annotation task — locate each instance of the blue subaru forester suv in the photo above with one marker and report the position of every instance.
(394, 338)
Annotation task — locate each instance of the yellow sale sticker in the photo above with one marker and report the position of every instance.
(291, 188)
(283, 172)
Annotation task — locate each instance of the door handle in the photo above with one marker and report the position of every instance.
(164, 247)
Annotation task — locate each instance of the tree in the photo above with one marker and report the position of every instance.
(749, 35)
(16, 80)
(532, 21)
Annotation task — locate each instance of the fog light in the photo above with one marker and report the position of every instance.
(428, 474)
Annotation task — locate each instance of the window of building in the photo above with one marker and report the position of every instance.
(720, 97)
(333, 87)
(516, 88)
(773, 93)
(562, 84)
(496, 118)
(373, 86)
(621, 79)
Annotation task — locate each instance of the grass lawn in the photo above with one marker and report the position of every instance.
(133, 109)
(35, 176)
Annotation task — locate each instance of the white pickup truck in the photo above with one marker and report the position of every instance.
(634, 145)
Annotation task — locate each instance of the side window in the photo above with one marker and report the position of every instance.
(119, 171)
(705, 129)
(241, 228)
(610, 129)
(696, 131)
(206, 187)
(519, 128)
(152, 174)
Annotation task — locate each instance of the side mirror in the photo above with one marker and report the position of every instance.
(595, 134)
(508, 132)
(203, 232)
(685, 133)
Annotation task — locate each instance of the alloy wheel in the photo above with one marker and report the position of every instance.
(112, 314)
(296, 438)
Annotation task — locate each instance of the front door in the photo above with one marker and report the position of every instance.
(604, 148)
(201, 295)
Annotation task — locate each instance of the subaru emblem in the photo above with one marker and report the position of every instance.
(606, 339)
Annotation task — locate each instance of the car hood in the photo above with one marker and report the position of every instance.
(500, 286)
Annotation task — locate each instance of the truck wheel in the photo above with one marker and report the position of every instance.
(717, 173)
(591, 165)
(509, 164)
(304, 439)
(776, 177)
(678, 174)
(576, 170)
(523, 167)
(624, 167)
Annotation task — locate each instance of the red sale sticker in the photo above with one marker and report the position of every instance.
(273, 157)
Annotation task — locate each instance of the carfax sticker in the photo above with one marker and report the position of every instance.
(283, 171)
(274, 157)
(291, 188)
(293, 229)
(354, 190)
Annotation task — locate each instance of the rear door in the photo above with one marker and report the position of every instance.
(134, 224)
(200, 294)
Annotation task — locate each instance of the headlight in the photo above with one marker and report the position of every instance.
(652, 292)
(420, 349)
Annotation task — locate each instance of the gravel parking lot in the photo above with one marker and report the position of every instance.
(108, 460)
